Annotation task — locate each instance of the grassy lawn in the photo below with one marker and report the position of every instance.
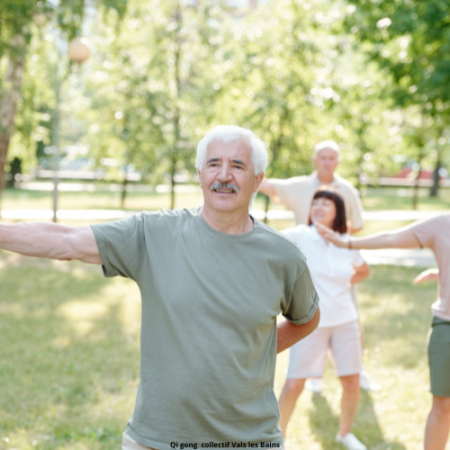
(393, 198)
(69, 351)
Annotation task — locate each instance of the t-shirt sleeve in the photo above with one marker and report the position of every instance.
(425, 230)
(121, 245)
(356, 209)
(303, 300)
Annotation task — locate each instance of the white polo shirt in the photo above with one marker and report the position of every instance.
(331, 270)
(297, 194)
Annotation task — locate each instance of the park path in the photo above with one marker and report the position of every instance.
(414, 257)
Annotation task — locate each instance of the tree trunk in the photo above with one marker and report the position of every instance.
(266, 208)
(435, 187)
(172, 183)
(56, 152)
(415, 198)
(8, 107)
(124, 191)
(420, 156)
(176, 110)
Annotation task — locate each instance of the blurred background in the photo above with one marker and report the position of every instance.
(112, 96)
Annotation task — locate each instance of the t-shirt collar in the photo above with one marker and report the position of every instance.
(205, 225)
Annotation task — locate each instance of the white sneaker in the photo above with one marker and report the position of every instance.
(314, 385)
(366, 383)
(350, 441)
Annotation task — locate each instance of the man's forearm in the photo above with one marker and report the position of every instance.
(45, 240)
(288, 333)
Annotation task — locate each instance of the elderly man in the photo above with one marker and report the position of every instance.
(297, 193)
(212, 281)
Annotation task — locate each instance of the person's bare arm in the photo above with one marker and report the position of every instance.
(288, 333)
(48, 240)
(267, 188)
(361, 273)
(401, 238)
(429, 274)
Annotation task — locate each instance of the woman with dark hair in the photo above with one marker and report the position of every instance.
(334, 270)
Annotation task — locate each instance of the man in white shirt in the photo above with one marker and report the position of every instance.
(297, 193)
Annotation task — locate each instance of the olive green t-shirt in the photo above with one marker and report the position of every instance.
(208, 333)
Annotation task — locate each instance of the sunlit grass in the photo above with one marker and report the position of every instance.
(69, 351)
(374, 199)
(396, 317)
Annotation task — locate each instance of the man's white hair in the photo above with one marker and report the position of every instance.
(230, 133)
(326, 144)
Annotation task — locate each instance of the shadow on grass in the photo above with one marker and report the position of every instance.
(396, 314)
(324, 424)
(65, 357)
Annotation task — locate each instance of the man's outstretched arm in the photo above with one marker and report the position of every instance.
(267, 188)
(48, 240)
(288, 333)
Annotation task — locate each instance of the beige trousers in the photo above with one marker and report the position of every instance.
(128, 443)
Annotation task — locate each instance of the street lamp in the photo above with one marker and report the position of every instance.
(78, 52)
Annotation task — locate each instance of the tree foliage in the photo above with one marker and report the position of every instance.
(371, 75)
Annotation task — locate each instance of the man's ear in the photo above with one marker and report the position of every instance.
(258, 180)
(199, 177)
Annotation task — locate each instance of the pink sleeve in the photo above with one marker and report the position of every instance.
(426, 230)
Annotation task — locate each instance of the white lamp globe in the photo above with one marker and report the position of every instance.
(79, 50)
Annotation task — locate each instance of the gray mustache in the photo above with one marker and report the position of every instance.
(224, 186)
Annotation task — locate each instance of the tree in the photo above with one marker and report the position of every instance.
(410, 40)
(150, 87)
(19, 20)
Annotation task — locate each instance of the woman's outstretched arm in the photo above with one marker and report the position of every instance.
(401, 238)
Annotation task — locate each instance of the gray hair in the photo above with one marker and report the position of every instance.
(326, 144)
(230, 133)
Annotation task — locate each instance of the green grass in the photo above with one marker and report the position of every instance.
(396, 317)
(374, 199)
(69, 352)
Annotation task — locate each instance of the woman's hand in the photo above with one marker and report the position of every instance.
(430, 274)
(332, 236)
(361, 273)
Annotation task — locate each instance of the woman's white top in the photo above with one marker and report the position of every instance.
(331, 270)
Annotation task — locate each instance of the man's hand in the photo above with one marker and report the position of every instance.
(48, 240)
(430, 274)
(288, 333)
